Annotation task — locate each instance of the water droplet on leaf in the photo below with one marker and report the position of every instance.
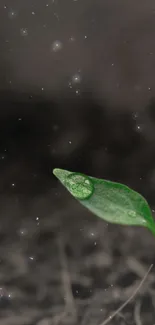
(110, 201)
(79, 185)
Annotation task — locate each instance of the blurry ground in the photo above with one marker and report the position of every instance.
(59, 264)
(77, 89)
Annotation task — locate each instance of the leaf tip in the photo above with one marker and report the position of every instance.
(61, 174)
(56, 172)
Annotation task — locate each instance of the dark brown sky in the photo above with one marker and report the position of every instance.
(109, 45)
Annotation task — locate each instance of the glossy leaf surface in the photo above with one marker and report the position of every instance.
(113, 202)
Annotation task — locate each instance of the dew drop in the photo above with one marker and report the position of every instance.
(56, 46)
(80, 186)
(77, 92)
(12, 14)
(72, 39)
(23, 31)
(139, 128)
(135, 115)
(70, 85)
(76, 79)
(23, 232)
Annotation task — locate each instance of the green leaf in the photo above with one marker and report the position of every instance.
(113, 202)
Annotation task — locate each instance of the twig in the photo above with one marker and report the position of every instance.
(128, 300)
(137, 313)
(70, 309)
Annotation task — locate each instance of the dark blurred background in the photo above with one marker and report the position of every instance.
(77, 89)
